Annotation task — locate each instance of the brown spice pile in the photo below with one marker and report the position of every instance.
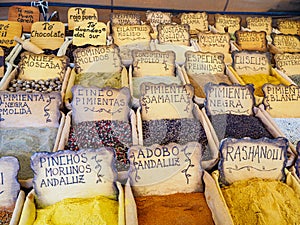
(175, 209)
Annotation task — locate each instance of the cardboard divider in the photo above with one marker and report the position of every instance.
(29, 211)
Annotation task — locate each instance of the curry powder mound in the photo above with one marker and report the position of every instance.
(262, 202)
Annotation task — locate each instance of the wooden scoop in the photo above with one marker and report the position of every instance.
(27, 45)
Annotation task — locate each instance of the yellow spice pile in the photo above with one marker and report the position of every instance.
(262, 202)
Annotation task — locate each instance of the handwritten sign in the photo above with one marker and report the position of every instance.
(153, 63)
(229, 99)
(204, 63)
(8, 30)
(2, 62)
(42, 66)
(93, 33)
(125, 19)
(95, 59)
(157, 99)
(251, 40)
(287, 26)
(77, 15)
(251, 63)
(26, 15)
(93, 104)
(130, 34)
(48, 35)
(260, 24)
(24, 109)
(288, 63)
(286, 43)
(197, 21)
(242, 159)
(156, 17)
(178, 34)
(73, 174)
(297, 164)
(9, 185)
(282, 101)
(210, 42)
(227, 22)
(165, 169)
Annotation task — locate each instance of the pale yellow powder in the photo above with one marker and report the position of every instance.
(99, 210)
(262, 202)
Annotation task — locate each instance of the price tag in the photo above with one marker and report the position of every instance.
(242, 159)
(26, 15)
(72, 174)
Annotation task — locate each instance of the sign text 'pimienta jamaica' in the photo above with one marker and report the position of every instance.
(157, 99)
(73, 174)
(251, 63)
(242, 159)
(153, 63)
(77, 15)
(204, 63)
(165, 169)
(282, 101)
(24, 109)
(93, 104)
(9, 184)
(229, 99)
(125, 19)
